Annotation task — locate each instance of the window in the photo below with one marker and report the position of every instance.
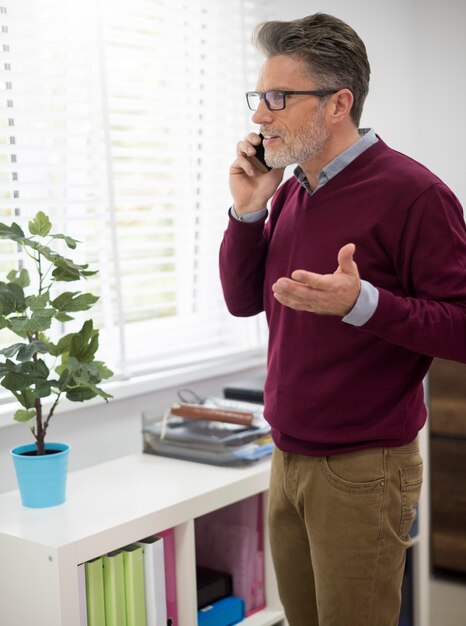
(119, 120)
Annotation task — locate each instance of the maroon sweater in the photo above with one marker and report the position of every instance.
(332, 387)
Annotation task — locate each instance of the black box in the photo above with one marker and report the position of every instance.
(251, 390)
(212, 586)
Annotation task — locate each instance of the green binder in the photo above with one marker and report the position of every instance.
(95, 604)
(133, 558)
(114, 589)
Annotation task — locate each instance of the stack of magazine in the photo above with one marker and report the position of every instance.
(217, 431)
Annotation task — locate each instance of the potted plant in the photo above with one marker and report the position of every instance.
(35, 368)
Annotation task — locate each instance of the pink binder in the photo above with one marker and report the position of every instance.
(170, 575)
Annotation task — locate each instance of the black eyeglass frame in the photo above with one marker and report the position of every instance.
(321, 93)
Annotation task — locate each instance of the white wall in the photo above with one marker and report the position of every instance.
(417, 50)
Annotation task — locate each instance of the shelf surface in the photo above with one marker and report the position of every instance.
(153, 491)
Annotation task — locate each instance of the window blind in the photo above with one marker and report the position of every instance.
(119, 120)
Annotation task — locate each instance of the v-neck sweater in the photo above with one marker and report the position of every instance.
(332, 387)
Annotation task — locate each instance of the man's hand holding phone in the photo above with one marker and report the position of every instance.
(252, 183)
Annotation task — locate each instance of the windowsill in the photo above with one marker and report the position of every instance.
(122, 389)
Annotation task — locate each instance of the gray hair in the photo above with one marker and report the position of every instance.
(334, 54)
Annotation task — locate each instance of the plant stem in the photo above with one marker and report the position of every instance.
(40, 434)
(52, 410)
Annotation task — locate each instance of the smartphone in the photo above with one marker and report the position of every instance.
(258, 159)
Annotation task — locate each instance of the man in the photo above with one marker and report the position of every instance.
(361, 270)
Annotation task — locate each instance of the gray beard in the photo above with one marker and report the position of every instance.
(306, 143)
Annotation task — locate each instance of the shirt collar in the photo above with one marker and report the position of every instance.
(368, 138)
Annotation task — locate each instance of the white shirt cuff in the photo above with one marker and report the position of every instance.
(365, 306)
(255, 216)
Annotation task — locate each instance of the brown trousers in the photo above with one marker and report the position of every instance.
(339, 530)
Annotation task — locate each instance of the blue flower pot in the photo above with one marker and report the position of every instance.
(41, 479)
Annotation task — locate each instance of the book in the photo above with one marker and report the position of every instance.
(95, 602)
(154, 576)
(170, 576)
(114, 589)
(82, 595)
(213, 413)
(135, 597)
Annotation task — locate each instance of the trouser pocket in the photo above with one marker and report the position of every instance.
(410, 484)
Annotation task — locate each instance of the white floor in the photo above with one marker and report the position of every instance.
(447, 602)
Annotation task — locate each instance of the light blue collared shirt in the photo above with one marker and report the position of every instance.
(368, 298)
(368, 138)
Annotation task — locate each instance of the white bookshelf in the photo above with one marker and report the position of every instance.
(119, 502)
(109, 506)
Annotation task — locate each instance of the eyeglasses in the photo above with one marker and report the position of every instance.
(275, 99)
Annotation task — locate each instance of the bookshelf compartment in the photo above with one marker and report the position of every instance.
(231, 539)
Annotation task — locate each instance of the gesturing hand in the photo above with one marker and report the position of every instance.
(325, 294)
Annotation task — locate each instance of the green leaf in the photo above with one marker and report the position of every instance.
(70, 242)
(63, 317)
(40, 225)
(68, 271)
(81, 393)
(24, 375)
(24, 415)
(12, 350)
(88, 354)
(20, 277)
(62, 346)
(72, 301)
(39, 321)
(15, 381)
(26, 398)
(104, 371)
(6, 367)
(11, 298)
(42, 390)
(21, 326)
(37, 303)
(42, 319)
(26, 352)
(85, 343)
(13, 232)
(85, 391)
(45, 251)
(76, 374)
(87, 330)
(41, 369)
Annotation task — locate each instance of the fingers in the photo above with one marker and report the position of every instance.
(293, 294)
(325, 294)
(242, 165)
(310, 279)
(245, 149)
(346, 263)
(253, 138)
